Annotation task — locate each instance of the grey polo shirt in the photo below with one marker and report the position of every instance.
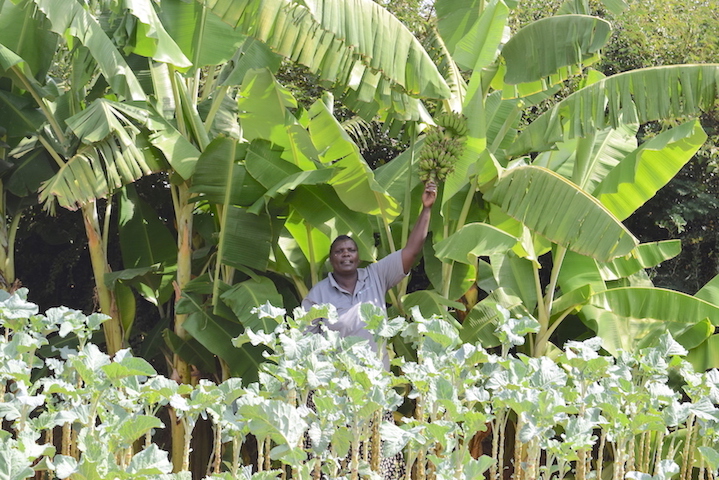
(373, 281)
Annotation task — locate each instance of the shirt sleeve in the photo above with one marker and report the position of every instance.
(389, 270)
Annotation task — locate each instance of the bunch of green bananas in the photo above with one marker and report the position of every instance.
(454, 122)
(443, 145)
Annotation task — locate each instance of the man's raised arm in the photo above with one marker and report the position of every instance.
(421, 227)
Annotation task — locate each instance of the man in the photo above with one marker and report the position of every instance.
(348, 286)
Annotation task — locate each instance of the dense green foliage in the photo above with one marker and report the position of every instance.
(209, 151)
(616, 416)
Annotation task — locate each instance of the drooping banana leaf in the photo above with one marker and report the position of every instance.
(354, 182)
(479, 47)
(472, 241)
(264, 114)
(706, 355)
(96, 170)
(114, 153)
(543, 47)
(70, 16)
(634, 97)
(246, 239)
(151, 38)
(632, 317)
(354, 43)
(640, 175)
(610, 146)
(556, 209)
(28, 35)
(646, 255)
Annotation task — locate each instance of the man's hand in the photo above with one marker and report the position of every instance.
(429, 195)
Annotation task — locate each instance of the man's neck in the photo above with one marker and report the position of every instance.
(348, 281)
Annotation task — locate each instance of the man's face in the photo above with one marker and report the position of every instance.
(344, 257)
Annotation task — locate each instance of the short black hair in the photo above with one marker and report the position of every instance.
(342, 238)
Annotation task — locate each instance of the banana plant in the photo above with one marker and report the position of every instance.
(558, 188)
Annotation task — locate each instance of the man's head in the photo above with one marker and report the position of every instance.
(344, 255)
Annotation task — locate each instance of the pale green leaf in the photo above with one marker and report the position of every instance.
(543, 47)
(631, 317)
(645, 255)
(579, 270)
(556, 209)
(634, 97)
(151, 39)
(610, 147)
(479, 47)
(472, 241)
(201, 36)
(72, 17)
(354, 182)
(338, 40)
(640, 175)
(710, 291)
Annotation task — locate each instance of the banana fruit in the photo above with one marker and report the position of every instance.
(443, 145)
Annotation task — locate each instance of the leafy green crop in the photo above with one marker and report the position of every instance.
(641, 415)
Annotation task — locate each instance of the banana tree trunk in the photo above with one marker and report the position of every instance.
(183, 212)
(105, 296)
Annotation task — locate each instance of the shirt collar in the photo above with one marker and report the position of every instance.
(361, 277)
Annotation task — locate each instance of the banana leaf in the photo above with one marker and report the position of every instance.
(202, 37)
(543, 47)
(28, 35)
(479, 47)
(556, 209)
(646, 255)
(634, 317)
(634, 97)
(151, 38)
(243, 297)
(472, 241)
(338, 40)
(70, 16)
(354, 182)
(640, 175)
(610, 146)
